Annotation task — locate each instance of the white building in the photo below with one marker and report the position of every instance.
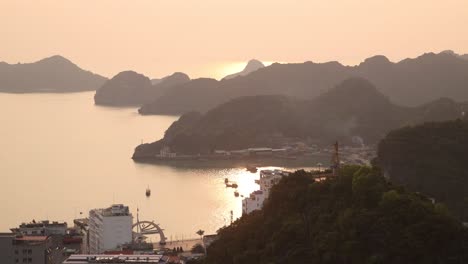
(253, 202)
(109, 228)
(268, 178)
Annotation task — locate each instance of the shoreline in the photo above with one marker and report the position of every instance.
(298, 162)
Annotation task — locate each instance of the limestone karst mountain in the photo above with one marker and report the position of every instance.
(251, 66)
(55, 74)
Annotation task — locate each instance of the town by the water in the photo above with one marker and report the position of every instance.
(116, 235)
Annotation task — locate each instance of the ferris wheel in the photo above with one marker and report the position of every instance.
(142, 228)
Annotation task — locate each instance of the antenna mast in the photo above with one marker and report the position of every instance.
(336, 159)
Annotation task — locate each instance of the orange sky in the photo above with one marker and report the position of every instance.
(158, 37)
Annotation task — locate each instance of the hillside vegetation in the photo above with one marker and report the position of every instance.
(357, 218)
(431, 158)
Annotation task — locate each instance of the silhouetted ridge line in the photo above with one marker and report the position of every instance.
(409, 82)
(55, 74)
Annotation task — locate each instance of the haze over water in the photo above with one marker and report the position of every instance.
(62, 155)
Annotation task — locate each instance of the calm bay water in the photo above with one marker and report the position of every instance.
(61, 155)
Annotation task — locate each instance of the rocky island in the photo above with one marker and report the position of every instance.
(129, 88)
(55, 74)
(354, 113)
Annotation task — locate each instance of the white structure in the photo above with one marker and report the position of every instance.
(165, 152)
(252, 203)
(109, 228)
(268, 178)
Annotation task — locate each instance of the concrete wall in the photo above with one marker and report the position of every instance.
(6, 248)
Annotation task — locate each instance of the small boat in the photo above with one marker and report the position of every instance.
(236, 194)
(232, 185)
(252, 169)
(148, 192)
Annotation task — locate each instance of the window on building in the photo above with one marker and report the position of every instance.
(16, 252)
(29, 260)
(29, 251)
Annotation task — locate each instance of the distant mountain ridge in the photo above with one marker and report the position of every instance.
(352, 108)
(251, 66)
(55, 74)
(409, 82)
(453, 53)
(129, 88)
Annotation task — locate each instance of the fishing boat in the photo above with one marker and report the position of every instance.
(148, 192)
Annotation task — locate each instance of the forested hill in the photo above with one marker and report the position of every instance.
(410, 82)
(353, 108)
(55, 74)
(357, 218)
(432, 159)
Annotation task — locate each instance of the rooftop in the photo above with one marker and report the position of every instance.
(45, 223)
(7, 234)
(31, 238)
(115, 210)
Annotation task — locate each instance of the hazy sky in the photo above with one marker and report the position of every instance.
(158, 37)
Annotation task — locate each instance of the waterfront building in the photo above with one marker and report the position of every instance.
(268, 178)
(113, 259)
(165, 152)
(253, 202)
(109, 228)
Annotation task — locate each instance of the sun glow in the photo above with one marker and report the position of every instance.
(221, 70)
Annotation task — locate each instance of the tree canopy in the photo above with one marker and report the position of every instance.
(431, 158)
(358, 217)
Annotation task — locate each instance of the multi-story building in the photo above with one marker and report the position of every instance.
(253, 202)
(109, 228)
(16, 248)
(6, 247)
(41, 242)
(42, 228)
(114, 259)
(268, 178)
